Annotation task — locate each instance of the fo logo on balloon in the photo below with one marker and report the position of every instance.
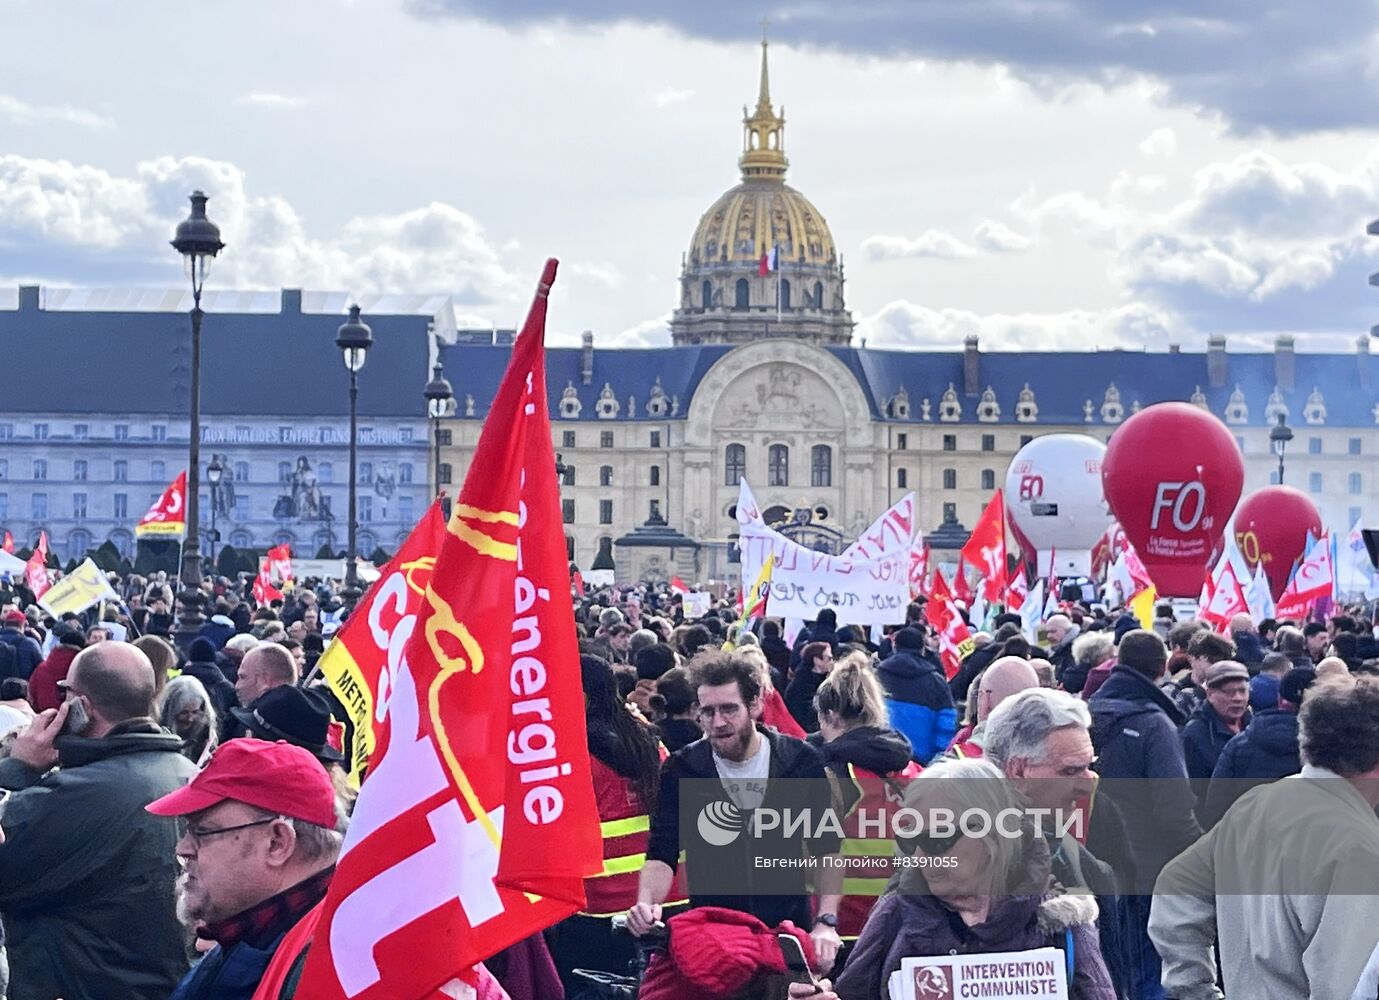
(719, 823)
(1031, 487)
(1186, 502)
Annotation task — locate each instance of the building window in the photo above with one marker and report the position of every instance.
(241, 508)
(444, 474)
(606, 439)
(654, 511)
(40, 468)
(988, 442)
(443, 437)
(567, 511)
(734, 464)
(1314, 446)
(157, 471)
(79, 506)
(6, 432)
(950, 479)
(404, 509)
(741, 293)
(783, 293)
(121, 506)
(655, 476)
(284, 472)
(902, 479)
(706, 295)
(122, 432)
(79, 470)
(1314, 482)
(950, 442)
(4, 468)
(605, 475)
(325, 472)
(778, 465)
(81, 431)
(569, 478)
(821, 465)
(1026, 439)
(1355, 485)
(40, 432)
(902, 441)
(1354, 448)
(38, 506)
(365, 511)
(121, 471)
(365, 473)
(655, 439)
(159, 432)
(988, 479)
(4, 506)
(567, 439)
(404, 473)
(605, 512)
(950, 513)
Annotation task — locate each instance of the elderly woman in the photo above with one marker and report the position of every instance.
(965, 894)
(1094, 654)
(188, 712)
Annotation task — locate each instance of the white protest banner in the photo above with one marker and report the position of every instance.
(696, 603)
(1016, 975)
(863, 591)
(894, 529)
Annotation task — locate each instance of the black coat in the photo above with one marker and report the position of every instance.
(1266, 751)
(28, 654)
(1135, 732)
(87, 875)
(799, 697)
(222, 692)
(1204, 737)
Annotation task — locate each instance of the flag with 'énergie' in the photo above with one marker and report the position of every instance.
(477, 823)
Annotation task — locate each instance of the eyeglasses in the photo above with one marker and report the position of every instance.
(932, 846)
(729, 712)
(198, 834)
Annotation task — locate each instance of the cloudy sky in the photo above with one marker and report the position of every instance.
(1040, 172)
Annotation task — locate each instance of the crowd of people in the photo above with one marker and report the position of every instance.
(172, 815)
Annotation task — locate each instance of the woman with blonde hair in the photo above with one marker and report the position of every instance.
(163, 657)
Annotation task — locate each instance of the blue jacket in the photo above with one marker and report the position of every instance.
(1249, 650)
(919, 702)
(1266, 751)
(28, 654)
(222, 975)
(1204, 737)
(1135, 733)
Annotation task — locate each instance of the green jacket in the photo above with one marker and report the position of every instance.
(87, 876)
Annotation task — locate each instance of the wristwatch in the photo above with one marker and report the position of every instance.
(827, 919)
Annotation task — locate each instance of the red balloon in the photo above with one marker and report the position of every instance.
(1172, 475)
(1271, 527)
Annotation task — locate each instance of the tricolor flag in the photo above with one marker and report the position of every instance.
(482, 765)
(168, 515)
(770, 261)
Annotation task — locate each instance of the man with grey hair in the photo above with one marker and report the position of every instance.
(1062, 633)
(86, 876)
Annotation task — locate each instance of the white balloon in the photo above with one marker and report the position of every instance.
(1053, 495)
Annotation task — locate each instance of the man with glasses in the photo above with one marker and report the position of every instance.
(738, 767)
(86, 875)
(257, 842)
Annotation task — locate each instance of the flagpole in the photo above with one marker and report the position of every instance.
(775, 252)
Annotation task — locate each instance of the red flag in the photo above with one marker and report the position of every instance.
(1018, 591)
(955, 639)
(677, 586)
(1226, 601)
(985, 550)
(482, 769)
(962, 590)
(36, 569)
(8, 544)
(919, 566)
(264, 591)
(280, 562)
(1314, 578)
(168, 515)
(579, 583)
(367, 651)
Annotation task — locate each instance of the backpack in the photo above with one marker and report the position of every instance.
(9, 661)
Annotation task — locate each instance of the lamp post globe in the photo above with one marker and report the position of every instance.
(354, 338)
(438, 394)
(1279, 436)
(197, 239)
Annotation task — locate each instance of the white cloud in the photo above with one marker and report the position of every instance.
(1161, 142)
(933, 243)
(995, 237)
(667, 96)
(600, 271)
(903, 324)
(274, 102)
(18, 112)
(649, 333)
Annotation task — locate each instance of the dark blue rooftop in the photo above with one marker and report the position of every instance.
(281, 364)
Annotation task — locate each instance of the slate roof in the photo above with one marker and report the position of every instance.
(280, 363)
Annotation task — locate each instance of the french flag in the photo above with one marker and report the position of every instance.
(770, 261)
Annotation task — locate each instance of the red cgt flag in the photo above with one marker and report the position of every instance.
(954, 637)
(36, 569)
(168, 515)
(477, 823)
(280, 562)
(264, 591)
(985, 550)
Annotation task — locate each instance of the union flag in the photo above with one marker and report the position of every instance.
(168, 515)
(985, 550)
(954, 637)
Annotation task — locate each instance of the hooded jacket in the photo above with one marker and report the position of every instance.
(1135, 733)
(28, 654)
(87, 876)
(919, 702)
(905, 925)
(43, 690)
(1266, 751)
(222, 692)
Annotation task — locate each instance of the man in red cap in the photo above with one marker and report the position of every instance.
(258, 845)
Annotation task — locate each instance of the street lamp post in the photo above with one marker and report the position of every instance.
(354, 338)
(198, 240)
(438, 395)
(213, 473)
(1279, 436)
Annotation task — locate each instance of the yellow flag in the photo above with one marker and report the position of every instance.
(1142, 605)
(78, 590)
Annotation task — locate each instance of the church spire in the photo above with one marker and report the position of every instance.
(763, 131)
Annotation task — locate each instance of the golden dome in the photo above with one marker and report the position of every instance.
(763, 211)
(746, 221)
